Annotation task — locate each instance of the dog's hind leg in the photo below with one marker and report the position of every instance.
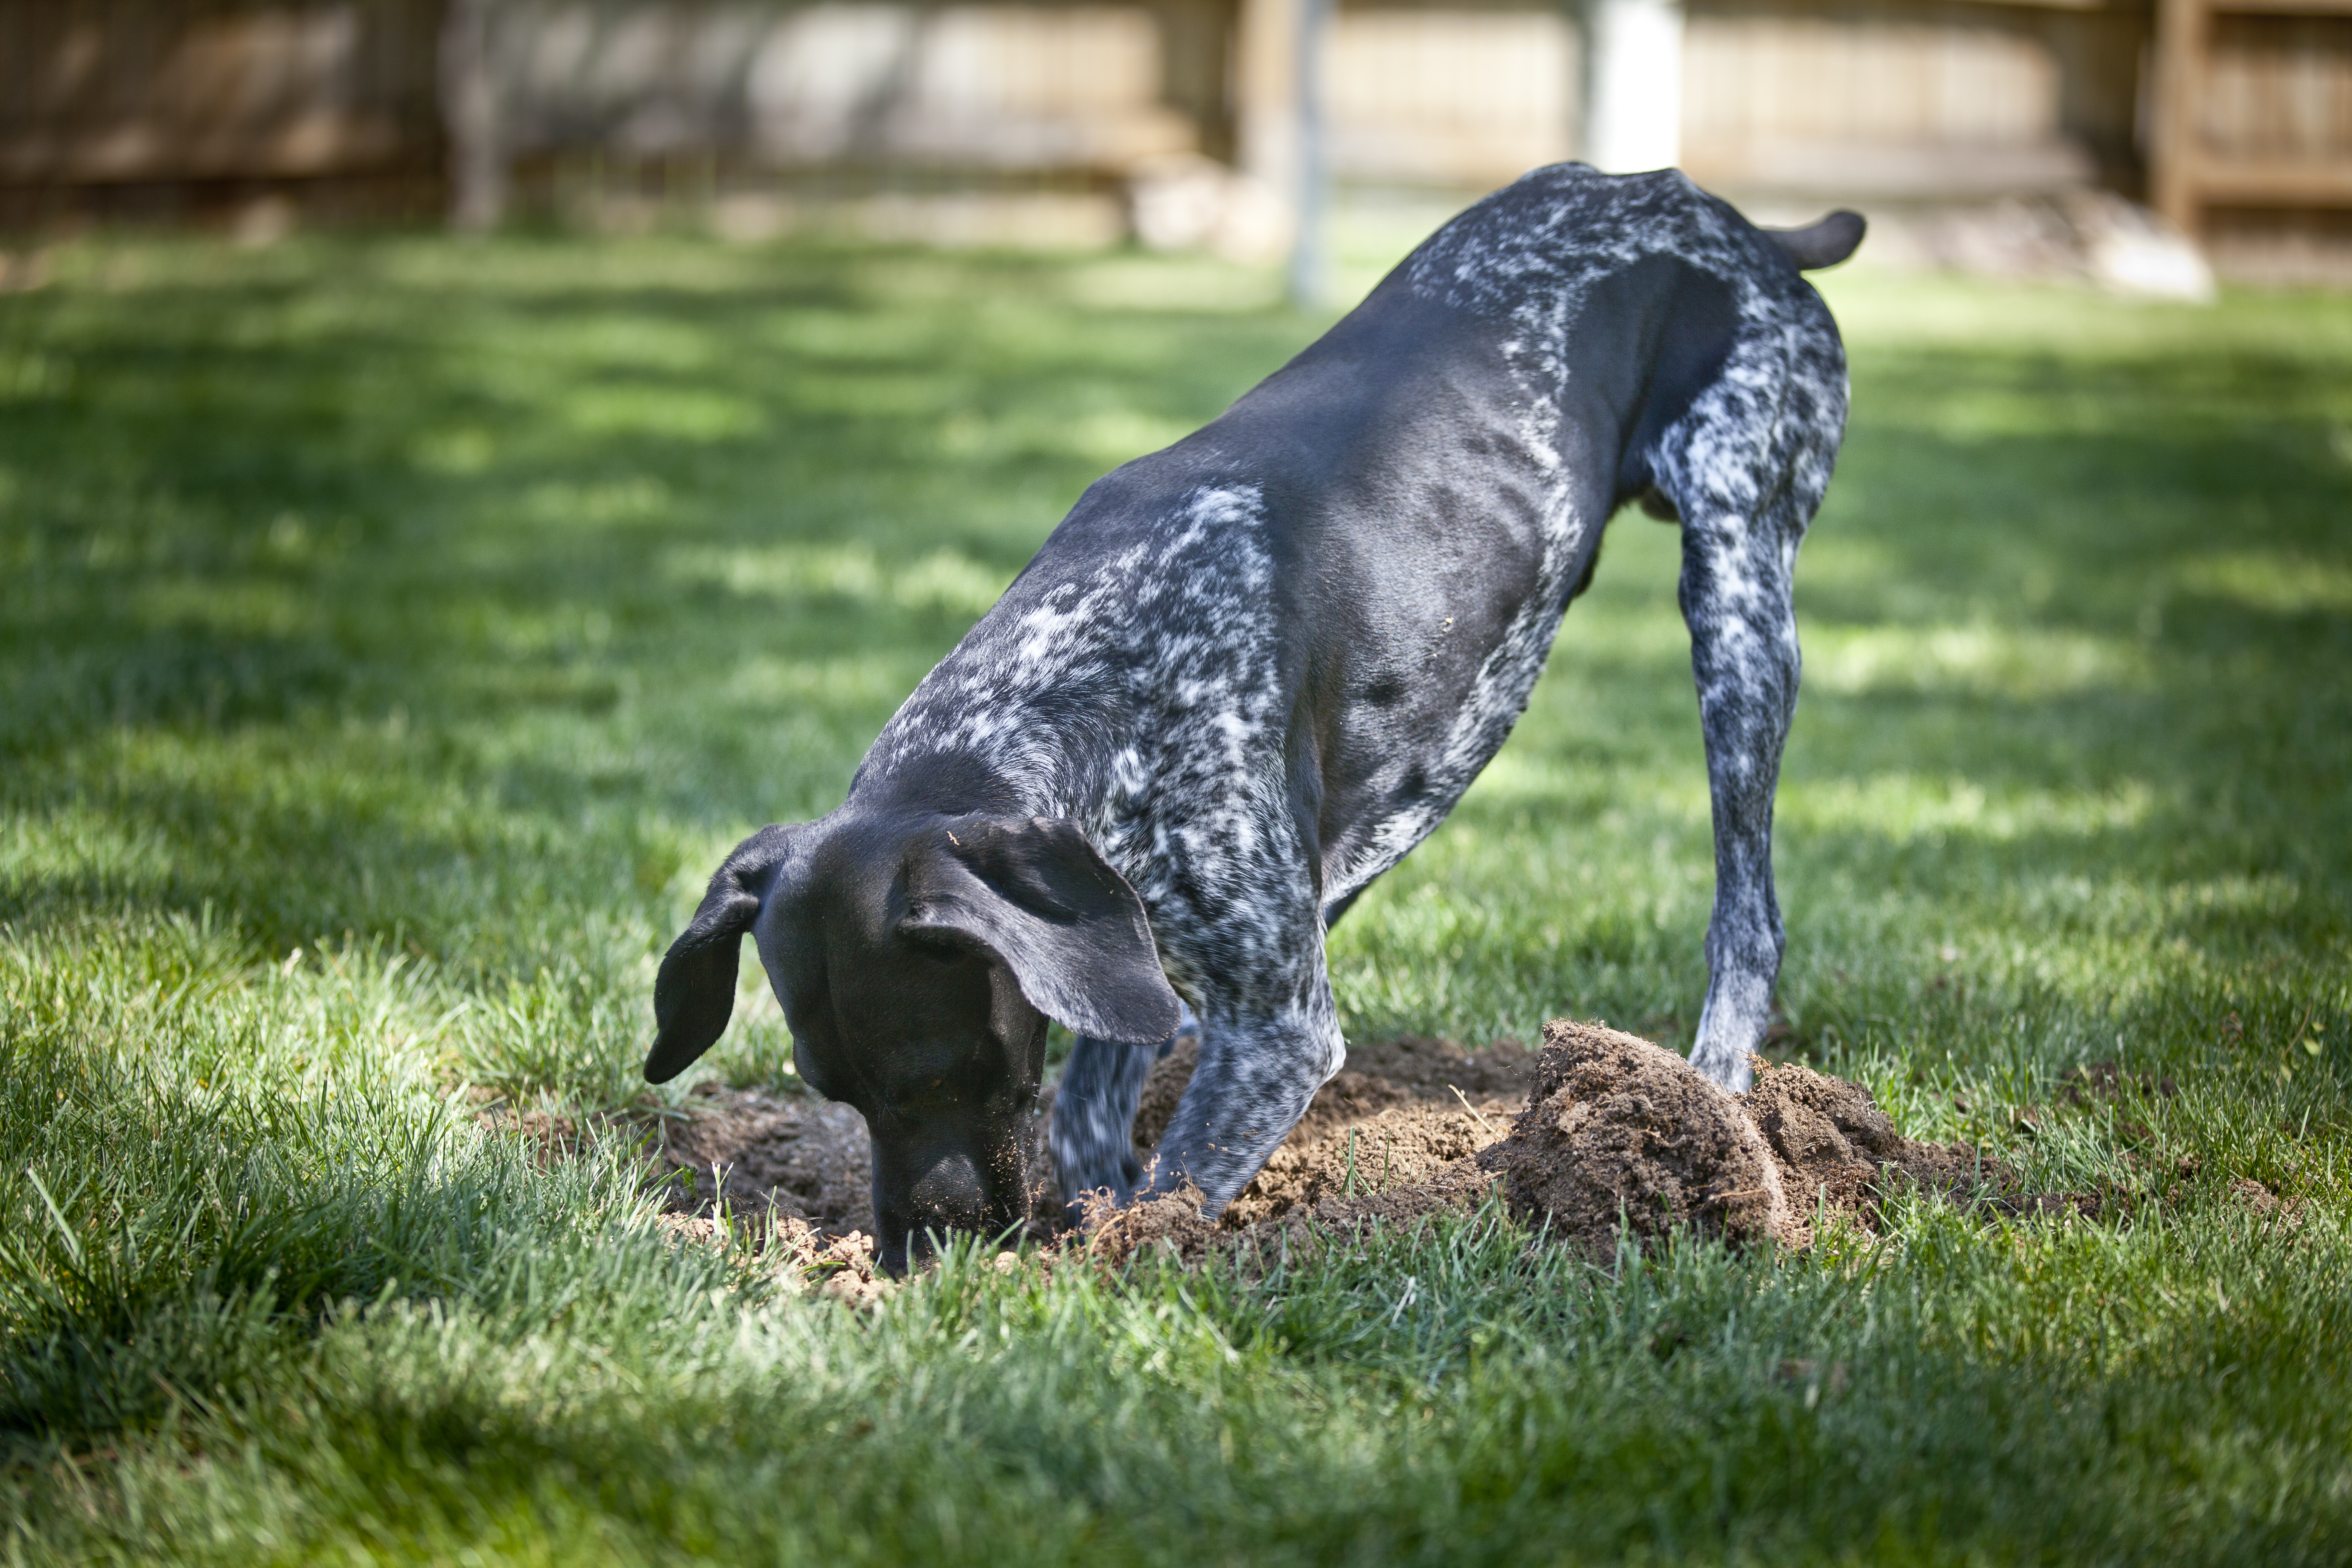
(1746, 480)
(1735, 598)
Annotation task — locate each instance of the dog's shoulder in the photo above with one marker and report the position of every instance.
(1162, 578)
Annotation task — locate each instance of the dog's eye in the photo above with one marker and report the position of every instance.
(937, 1081)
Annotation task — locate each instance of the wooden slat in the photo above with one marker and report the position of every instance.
(2180, 43)
(2270, 183)
(2186, 173)
(2283, 7)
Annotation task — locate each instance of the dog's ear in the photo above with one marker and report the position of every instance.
(1034, 894)
(1822, 244)
(694, 994)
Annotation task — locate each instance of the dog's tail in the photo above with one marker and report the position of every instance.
(694, 995)
(1822, 244)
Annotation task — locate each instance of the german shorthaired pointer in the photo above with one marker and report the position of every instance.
(1247, 674)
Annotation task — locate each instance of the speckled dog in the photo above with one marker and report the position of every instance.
(1247, 674)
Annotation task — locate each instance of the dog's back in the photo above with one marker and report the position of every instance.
(1355, 574)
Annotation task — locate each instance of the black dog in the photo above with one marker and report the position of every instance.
(1248, 673)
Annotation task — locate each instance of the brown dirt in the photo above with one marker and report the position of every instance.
(808, 1159)
(1620, 1132)
(1378, 1075)
(1392, 1137)
(1612, 1126)
(1401, 1112)
(1838, 1149)
(838, 1266)
(1173, 1222)
(805, 1158)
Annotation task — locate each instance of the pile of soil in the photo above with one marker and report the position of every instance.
(1620, 1132)
(1616, 1126)
(1395, 1135)
(1599, 1130)
(1838, 1151)
(1401, 1112)
(800, 1156)
(1617, 1135)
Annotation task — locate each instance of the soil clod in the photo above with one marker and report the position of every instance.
(1620, 1133)
(1838, 1150)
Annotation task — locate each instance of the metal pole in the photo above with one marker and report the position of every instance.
(1312, 197)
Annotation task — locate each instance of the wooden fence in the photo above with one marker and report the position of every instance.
(2253, 148)
(2246, 115)
(115, 101)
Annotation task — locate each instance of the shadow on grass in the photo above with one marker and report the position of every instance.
(354, 590)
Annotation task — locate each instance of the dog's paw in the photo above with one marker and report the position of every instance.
(1107, 1182)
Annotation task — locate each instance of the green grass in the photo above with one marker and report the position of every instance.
(394, 633)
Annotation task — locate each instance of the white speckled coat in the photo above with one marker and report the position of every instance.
(1257, 668)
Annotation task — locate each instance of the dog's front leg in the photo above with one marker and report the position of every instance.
(1735, 598)
(1094, 1121)
(1258, 1071)
(1094, 1115)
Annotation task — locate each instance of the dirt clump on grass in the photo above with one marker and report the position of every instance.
(1374, 1141)
(1599, 1132)
(1378, 1075)
(1621, 1133)
(1378, 1137)
(804, 1157)
(1837, 1149)
(839, 1266)
(1382, 1163)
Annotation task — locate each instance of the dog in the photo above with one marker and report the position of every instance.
(1249, 673)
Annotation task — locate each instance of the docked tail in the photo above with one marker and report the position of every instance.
(1822, 244)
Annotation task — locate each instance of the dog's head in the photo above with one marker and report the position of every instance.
(918, 958)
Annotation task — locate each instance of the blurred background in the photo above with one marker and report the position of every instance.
(2127, 141)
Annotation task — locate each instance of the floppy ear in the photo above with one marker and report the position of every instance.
(1822, 244)
(695, 994)
(1035, 895)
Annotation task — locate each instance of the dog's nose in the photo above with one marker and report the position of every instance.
(950, 1195)
(953, 1193)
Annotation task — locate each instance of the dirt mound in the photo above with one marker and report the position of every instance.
(1601, 1129)
(1393, 1136)
(1619, 1131)
(1378, 1075)
(809, 1159)
(1391, 1154)
(1838, 1149)
(804, 1157)
(1387, 1123)
(1172, 1222)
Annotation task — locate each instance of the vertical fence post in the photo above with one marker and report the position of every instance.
(469, 112)
(1308, 247)
(2182, 28)
(1278, 104)
(1632, 85)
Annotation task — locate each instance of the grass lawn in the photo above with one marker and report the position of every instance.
(393, 634)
